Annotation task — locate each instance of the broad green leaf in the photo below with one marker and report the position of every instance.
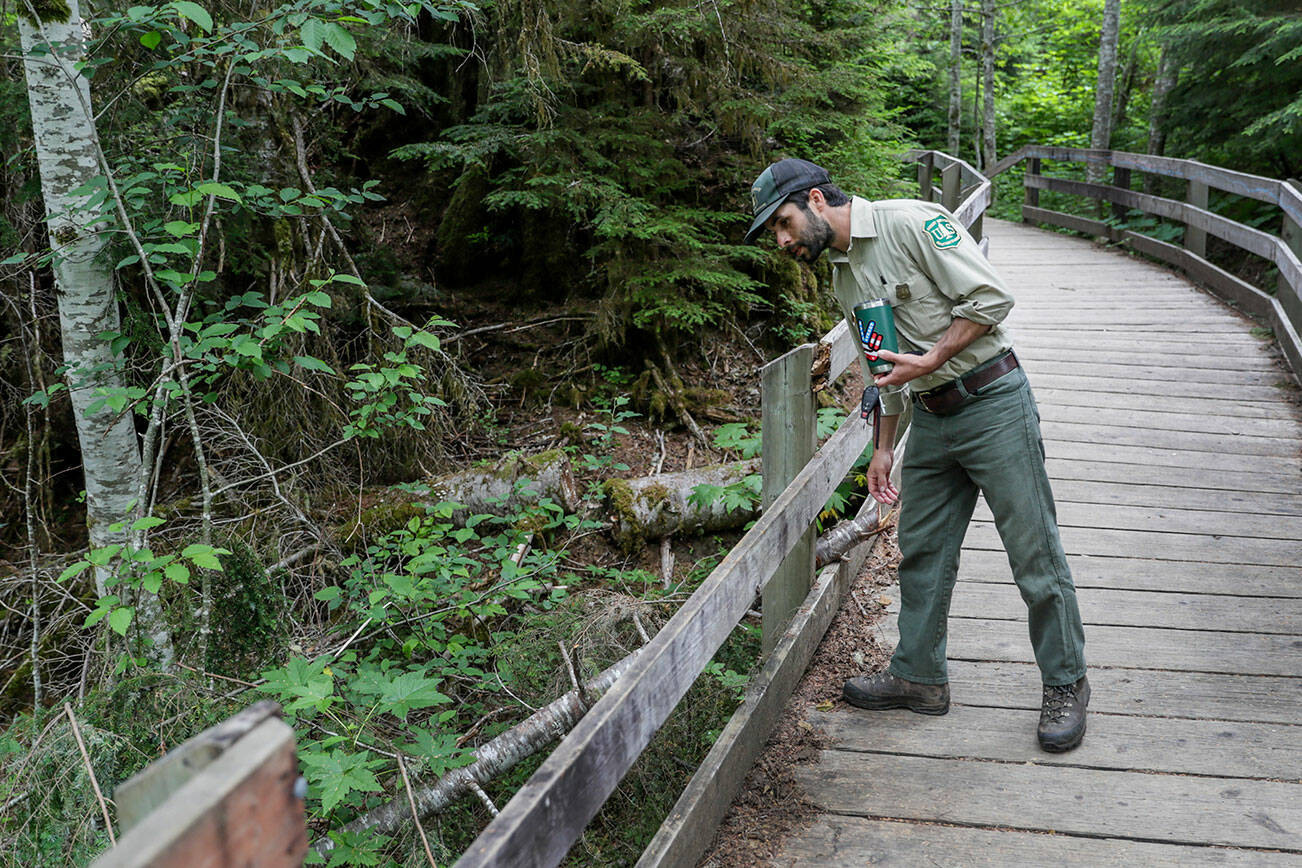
(152, 582)
(75, 570)
(425, 339)
(313, 33)
(338, 38)
(318, 298)
(194, 12)
(120, 620)
(149, 521)
(180, 228)
(151, 39)
(313, 364)
(410, 691)
(337, 774)
(218, 189)
(177, 572)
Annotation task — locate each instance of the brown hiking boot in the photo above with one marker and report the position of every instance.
(884, 690)
(1062, 716)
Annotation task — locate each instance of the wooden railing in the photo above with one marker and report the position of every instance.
(1282, 310)
(963, 190)
(204, 799)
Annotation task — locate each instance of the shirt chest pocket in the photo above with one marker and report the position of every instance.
(907, 288)
(913, 301)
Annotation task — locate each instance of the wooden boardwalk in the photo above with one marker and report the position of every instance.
(1174, 442)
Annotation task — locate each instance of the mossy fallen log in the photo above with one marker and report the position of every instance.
(654, 507)
(518, 482)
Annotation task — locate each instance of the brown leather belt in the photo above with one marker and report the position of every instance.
(943, 399)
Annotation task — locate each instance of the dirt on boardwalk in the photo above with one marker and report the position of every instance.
(771, 805)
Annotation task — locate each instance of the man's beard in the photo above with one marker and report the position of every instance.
(814, 239)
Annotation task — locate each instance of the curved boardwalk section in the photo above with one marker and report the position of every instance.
(1173, 439)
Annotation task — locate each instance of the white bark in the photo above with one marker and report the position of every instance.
(519, 481)
(66, 151)
(655, 507)
(988, 157)
(1101, 132)
(1167, 72)
(845, 536)
(955, 77)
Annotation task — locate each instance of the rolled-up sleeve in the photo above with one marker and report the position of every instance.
(960, 271)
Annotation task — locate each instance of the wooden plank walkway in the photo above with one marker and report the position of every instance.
(1174, 442)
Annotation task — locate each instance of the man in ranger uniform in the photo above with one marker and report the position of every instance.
(975, 428)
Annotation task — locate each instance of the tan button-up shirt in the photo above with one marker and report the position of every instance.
(920, 258)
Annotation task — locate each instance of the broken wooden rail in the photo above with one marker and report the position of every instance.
(231, 795)
(1282, 310)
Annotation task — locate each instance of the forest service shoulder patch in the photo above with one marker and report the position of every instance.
(942, 233)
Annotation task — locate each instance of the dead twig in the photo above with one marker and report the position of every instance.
(90, 771)
(406, 783)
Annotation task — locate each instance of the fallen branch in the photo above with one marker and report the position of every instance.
(90, 772)
(847, 534)
(655, 507)
(492, 759)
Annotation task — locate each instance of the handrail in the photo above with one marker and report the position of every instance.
(964, 190)
(1282, 310)
(549, 812)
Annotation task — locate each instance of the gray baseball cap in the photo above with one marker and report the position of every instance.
(776, 183)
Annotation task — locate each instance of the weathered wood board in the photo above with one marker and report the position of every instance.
(1165, 519)
(1144, 692)
(1217, 748)
(836, 840)
(1145, 403)
(1059, 799)
(1124, 464)
(1137, 647)
(1202, 423)
(1117, 608)
(1204, 548)
(1181, 449)
(1268, 508)
(1142, 574)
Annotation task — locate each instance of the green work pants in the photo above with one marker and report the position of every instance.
(991, 443)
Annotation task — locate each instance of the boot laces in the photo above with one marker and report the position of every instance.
(1058, 701)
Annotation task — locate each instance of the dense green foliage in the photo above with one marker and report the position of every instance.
(1238, 102)
(608, 150)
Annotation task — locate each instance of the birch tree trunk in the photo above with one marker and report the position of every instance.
(988, 157)
(1167, 72)
(1126, 83)
(1101, 132)
(68, 159)
(955, 77)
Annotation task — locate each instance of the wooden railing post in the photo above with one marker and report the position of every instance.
(231, 795)
(788, 424)
(1032, 195)
(925, 170)
(951, 186)
(1195, 240)
(1121, 179)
